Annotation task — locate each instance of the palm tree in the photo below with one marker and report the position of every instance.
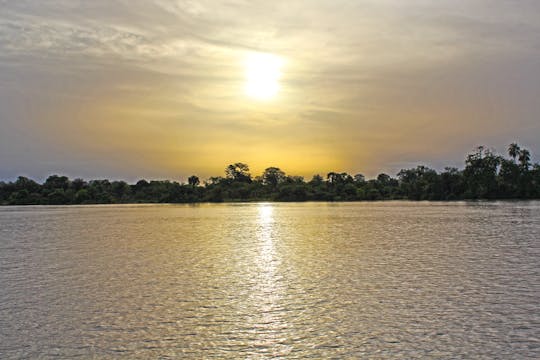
(513, 150)
(524, 158)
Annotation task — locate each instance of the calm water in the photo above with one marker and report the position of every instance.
(352, 280)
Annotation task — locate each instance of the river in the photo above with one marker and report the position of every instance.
(271, 280)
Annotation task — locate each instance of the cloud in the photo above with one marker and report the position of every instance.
(155, 88)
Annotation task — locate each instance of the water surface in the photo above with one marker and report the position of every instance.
(319, 280)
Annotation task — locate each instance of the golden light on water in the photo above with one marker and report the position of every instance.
(263, 72)
(265, 213)
(269, 291)
(268, 259)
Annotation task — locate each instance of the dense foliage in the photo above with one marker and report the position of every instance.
(485, 176)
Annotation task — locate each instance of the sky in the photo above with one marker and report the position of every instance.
(156, 89)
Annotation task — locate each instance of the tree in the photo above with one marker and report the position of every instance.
(509, 178)
(24, 183)
(214, 180)
(57, 197)
(56, 182)
(294, 179)
(339, 178)
(452, 186)
(238, 172)
(272, 176)
(513, 150)
(383, 179)
(420, 183)
(316, 180)
(480, 173)
(535, 180)
(78, 184)
(524, 159)
(141, 184)
(120, 190)
(82, 196)
(485, 176)
(332, 177)
(193, 180)
(359, 179)
(100, 191)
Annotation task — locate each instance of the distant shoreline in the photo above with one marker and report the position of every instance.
(486, 176)
(286, 202)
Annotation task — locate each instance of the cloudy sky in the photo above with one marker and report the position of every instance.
(156, 89)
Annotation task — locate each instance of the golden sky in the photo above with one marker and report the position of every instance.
(157, 89)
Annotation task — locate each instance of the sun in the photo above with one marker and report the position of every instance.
(263, 72)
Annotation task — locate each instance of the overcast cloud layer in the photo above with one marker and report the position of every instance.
(154, 89)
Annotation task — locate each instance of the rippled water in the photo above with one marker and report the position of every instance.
(344, 280)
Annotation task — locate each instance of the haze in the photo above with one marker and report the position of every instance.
(141, 89)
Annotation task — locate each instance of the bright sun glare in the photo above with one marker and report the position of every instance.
(262, 75)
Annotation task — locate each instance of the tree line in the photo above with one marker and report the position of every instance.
(486, 176)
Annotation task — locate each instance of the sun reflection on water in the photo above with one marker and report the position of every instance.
(270, 321)
(266, 214)
(267, 256)
(267, 261)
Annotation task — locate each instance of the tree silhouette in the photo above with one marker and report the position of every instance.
(524, 159)
(480, 173)
(238, 172)
(486, 176)
(359, 178)
(273, 176)
(193, 180)
(513, 150)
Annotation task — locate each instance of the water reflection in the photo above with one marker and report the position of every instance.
(268, 319)
(266, 211)
(265, 223)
